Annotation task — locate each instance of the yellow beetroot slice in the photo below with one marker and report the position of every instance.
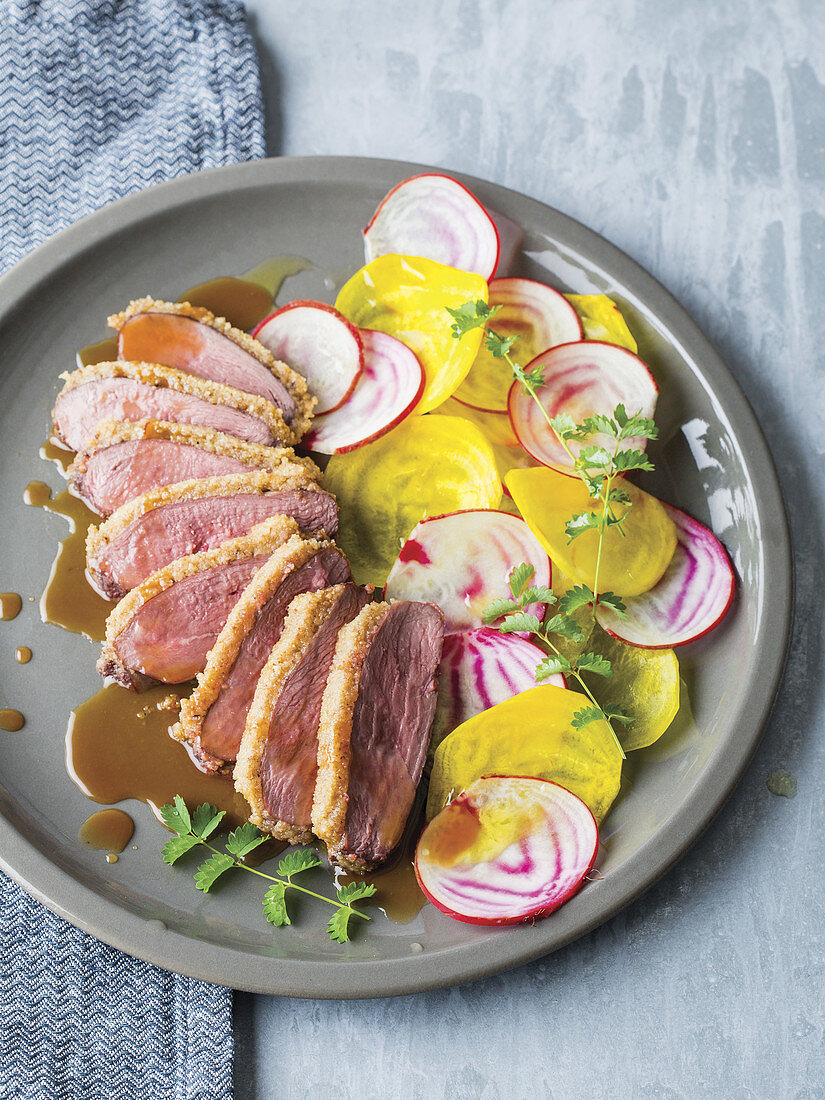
(427, 466)
(509, 849)
(531, 734)
(602, 319)
(408, 297)
(631, 563)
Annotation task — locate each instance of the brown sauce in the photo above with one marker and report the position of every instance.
(397, 892)
(10, 605)
(22, 655)
(107, 830)
(69, 600)
(37, 494)
(11, 720)
(52, 451)
(104, 351)
(241, 302)
(274, 272)
(118, 746)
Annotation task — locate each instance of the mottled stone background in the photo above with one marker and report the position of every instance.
(692, 135)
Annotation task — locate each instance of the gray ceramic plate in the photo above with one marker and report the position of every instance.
(712, 460)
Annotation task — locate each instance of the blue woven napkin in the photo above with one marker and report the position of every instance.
(99, 98)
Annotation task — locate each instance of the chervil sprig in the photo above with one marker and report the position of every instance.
(598, 463)
(516, 618)
(196, 828)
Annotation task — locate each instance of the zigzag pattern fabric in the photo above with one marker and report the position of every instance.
(99, 98)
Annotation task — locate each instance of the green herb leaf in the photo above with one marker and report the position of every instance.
(566, 626)
(598, 424)
(521, 621)
(354, 891)
(498, 345)
(338, 926)
(296, 861)
(550, 666)
(618, 496)
(209, 872)
(176, 816)
(538, 593)
(594, 662)
(614, 602)
(564, 426)
(178, 846)
(496, 609)
(470, 315)
(274, 904)
(636, 426)
(244, 839)
(578, 596)
(625, 461)
(585, 716)
(593, 456)
(578, 524)
(532, 378)
(206, 819)
(519, 578)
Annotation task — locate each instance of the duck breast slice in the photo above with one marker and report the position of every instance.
(278, 756)
(140, 391)
(213, 717)
(163, 630)
(374, 729)
(178, 520)
(192, 339)
(123, 461)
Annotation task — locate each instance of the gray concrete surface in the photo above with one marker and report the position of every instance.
(691, 134)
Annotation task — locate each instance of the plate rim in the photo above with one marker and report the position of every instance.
(344, 978)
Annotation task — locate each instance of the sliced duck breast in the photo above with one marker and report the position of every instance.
(123, 461)
(212, 719)
(278, 755)
(192, 339)
(164, 629)
(142, 391)
(177, 520)
(376, 714)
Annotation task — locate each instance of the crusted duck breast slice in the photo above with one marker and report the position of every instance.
(164, 629)
(177, 520)
(278, 756)
(212, 719)
(376, 714)
(122, 461)
(192, 339)
(140, 391)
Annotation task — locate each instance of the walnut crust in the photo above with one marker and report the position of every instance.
(111, 432)
(280, 479)
(329, 806)
(264, 538)
(285, 560)
(294, 382)
(307, 614)
(216, 393)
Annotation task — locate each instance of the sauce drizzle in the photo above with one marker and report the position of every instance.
(10, 606)
(107, 830)
(118, 747)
